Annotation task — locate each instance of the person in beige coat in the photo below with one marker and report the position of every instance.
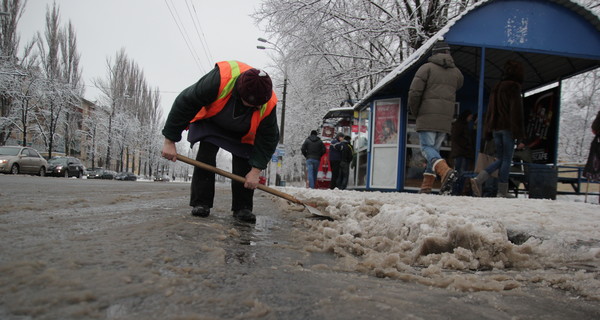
(432, 99)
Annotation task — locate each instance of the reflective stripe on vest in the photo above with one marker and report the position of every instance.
(229, 72)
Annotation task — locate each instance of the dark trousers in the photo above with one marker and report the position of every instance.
(342, 181)
(335, 173)
(461, 164)
(203, 182)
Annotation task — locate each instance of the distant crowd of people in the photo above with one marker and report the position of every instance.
(341, 154)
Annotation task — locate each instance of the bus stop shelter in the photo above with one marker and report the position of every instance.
(554, 39)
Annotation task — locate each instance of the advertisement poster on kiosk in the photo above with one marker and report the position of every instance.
(386, 123)
(540, 111)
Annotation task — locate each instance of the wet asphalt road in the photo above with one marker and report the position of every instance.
(98, 249)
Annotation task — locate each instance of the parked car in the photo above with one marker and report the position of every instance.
(108, 174)
(65, 167)
(99, 173)
(163, 178)
(16, 159)
(129, 176)
(90, 173)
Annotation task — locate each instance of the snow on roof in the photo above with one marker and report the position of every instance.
(417, 55)
(448, 241)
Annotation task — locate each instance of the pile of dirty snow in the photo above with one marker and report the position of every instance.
(462, 243)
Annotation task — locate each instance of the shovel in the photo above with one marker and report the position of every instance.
(314, 211)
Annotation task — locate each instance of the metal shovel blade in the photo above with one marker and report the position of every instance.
(314, 211)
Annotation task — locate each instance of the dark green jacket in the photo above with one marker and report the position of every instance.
(432, 93)
(204, 92)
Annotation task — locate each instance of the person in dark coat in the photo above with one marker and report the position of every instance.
(432, 99)
(335, 156)
(592, 166)
(347, 155)
(504, 121)
(461, 141)
(313, 149)
(231, 107)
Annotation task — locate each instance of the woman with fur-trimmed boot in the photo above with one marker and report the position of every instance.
(504, 122)
(432, 99)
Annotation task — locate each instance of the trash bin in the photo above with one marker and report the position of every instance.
(542, 181)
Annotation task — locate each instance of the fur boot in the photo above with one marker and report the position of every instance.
(448, 175)
(427, 185)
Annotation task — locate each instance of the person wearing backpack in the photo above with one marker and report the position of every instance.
(347, 154)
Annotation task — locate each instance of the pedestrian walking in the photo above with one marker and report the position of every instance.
(504, 122)
(432, 100)
(313, 149)
(231, 107)
(347, 154)
(335, 156)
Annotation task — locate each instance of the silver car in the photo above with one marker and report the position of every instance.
(18, 159)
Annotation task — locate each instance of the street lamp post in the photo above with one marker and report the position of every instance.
(282, 123)
(285, 80)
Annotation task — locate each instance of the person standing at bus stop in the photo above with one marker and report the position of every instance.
(347, 155)
(591, 170)
(335, 156)
(313, 149)
(231, 107)
(432, 99)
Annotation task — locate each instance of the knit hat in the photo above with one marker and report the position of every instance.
(440, 46)
(255, 87)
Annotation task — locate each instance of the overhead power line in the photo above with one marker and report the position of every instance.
(200, 33)
(183, 33)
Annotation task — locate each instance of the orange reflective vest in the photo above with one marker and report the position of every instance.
(230, 71)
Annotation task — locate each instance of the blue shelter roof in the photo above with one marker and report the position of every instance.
(556, 39)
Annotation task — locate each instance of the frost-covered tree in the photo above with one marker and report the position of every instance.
(133, 115)
(71, 74)
(114, 95)
(59, 98)
(12, 74)
(94, 131)
(580, 104)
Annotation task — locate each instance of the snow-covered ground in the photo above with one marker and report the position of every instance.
(462, 243)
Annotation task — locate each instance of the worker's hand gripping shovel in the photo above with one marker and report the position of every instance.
(312, 210)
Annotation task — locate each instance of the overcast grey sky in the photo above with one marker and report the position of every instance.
(150, 36)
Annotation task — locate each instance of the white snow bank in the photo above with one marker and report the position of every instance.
(463, 243)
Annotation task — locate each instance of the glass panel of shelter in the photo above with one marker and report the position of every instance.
(361, 143)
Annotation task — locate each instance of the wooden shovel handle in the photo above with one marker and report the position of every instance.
(237, 178)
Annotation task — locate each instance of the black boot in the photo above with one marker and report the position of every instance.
(201, 211)
(244, 215)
